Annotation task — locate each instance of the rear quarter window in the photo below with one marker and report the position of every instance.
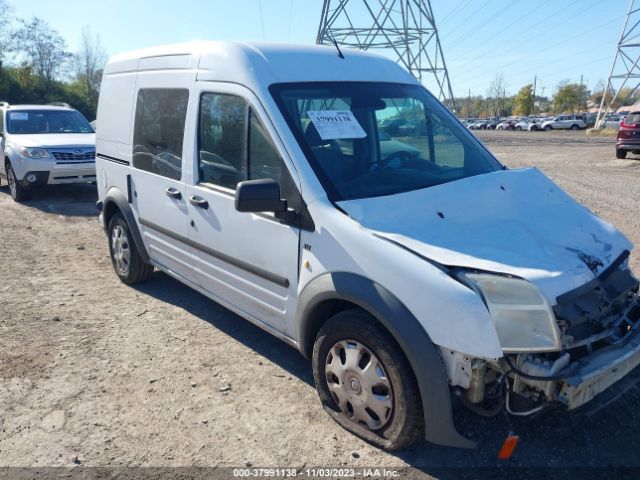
(158, 133)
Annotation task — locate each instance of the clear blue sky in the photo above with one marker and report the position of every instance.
(555, 39)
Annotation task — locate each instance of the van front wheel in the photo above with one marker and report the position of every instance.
(365, 382)
(125, 257)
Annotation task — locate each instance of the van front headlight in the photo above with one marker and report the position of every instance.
(34, 152)
(521, 315)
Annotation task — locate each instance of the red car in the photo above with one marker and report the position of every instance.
(628, 135)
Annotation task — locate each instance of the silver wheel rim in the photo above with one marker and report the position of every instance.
(359, 384)
(120, 249)
(11, 179)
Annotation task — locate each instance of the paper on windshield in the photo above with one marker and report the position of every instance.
(19, 116)
(336, 124)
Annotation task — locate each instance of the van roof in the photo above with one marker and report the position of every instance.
(262, 63)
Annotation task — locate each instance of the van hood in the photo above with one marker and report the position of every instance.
(57, 140)
(516, 222)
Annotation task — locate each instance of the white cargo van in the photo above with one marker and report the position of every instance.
(333, 201)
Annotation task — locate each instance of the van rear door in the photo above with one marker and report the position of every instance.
(157, 175)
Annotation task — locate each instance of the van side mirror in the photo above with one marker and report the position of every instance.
(259, 196)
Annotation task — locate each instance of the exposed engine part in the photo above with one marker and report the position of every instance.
(523, 413)
(491, 405)
(539, 368)
(475, 392)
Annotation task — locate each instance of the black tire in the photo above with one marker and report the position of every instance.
(135, 270)
(575, 127)
(518, 128)
(17, 191)
(405, 425)
(534, 128)
(548, 127)
(621, 153)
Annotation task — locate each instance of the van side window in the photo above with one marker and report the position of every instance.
(222, 139)
(233, 145)
(159, 131)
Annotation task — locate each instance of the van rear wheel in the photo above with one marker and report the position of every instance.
(365, 382)
(125, 258)
(621, 153)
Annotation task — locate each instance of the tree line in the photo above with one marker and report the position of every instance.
(37, 67)
(569, 97)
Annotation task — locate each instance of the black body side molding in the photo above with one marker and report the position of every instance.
(422, 354)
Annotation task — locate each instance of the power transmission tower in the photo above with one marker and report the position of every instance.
(406, 28)
(625, 71)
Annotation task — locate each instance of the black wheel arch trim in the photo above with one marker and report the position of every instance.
(406, 330)
(117, 197)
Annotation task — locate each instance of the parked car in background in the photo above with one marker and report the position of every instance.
(564, 122)
(590, 119)
(529, 124)
(509, 124)
(491, 124)
(478, 125)
(612, 121)
(44, 145)
(628, 138)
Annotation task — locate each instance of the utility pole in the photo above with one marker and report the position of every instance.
(405, 28)
(581, 96)
(469, 105)
(625, 69)
(535, 80)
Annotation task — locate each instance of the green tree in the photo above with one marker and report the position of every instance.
(5, 25)
(41, 48)
(523, 103)
(89, 62)
(570, 97)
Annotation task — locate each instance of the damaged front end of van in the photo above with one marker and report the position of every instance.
(585, 349)
(553, 277)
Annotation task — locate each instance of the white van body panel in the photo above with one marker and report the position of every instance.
(447, 310)
(516, 222)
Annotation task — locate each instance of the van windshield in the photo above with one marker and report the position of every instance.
(367, 139)
(31, 122)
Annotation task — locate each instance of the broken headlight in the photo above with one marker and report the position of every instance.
(521, 315)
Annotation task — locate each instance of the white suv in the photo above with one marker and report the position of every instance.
(44, 144)
(408, 264)
(564, 122)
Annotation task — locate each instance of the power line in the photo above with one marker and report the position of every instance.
(555, 46)
(450, 15)
(530, 28)
(473, 13)
(518, 46)
(483, 24)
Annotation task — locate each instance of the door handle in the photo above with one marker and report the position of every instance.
(173, 193)
(199, 202)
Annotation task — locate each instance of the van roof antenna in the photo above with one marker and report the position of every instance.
(335, 44)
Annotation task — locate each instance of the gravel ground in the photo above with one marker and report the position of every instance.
(95, 373)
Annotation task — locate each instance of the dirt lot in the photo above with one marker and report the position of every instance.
(96, 373)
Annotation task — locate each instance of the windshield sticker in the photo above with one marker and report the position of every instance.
(19, 116)
(336, 124)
